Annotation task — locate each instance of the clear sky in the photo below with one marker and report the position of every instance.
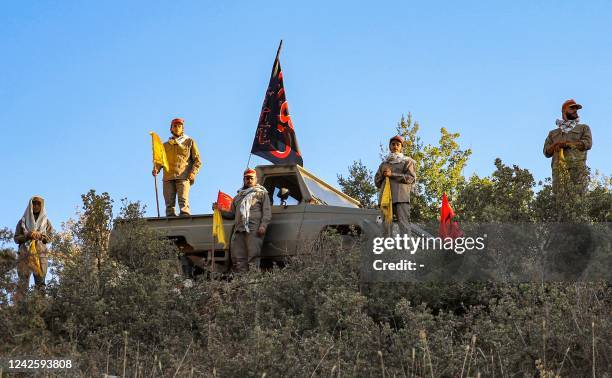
(83, 82)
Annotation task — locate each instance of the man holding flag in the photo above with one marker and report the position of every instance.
(568, 145)
(183, 164)
(32, 233)
(401, 172)
(252, 212)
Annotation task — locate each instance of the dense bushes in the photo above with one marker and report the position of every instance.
(313, 316)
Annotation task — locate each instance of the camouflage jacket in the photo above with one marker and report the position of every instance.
(41, 245)
(403, 178)
(183, 159)
(260, 212)
(580, 133)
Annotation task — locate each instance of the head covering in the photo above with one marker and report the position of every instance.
(397, 138)
(568, 104)
(250, 172)
(567, 125)
(29, 223)
(177, 120)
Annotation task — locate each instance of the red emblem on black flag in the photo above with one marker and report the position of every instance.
(275, 137)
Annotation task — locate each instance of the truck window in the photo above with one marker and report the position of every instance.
(324, 195)
(283, 188)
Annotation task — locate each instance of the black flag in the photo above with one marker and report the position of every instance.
(275, 137)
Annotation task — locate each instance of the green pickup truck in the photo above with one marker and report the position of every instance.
(303, 207)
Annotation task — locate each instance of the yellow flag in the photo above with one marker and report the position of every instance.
(562, 162)
(159, 153)
(561, 155)
(34, 259)
(386, 202)
(218, 230)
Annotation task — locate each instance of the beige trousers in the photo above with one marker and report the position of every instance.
(172, 188)
(245, 250)
(402, 211)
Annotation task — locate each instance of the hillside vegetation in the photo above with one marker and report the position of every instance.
(121, 308)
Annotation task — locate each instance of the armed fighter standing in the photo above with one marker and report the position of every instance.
(184, 164)
(252, 212)
(401, 171)
(569, 143)
(32, 234)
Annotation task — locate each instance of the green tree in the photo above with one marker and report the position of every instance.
(506, 196)
(95, 225)
(567, 204)
(359, 184)
(543, 203)
(8, 260)
(475, 199)
(599, 198)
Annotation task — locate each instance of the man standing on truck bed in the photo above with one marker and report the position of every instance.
(184, 164)
(252, 212)
(402, 177)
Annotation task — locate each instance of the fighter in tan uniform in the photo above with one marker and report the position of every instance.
(184, 164)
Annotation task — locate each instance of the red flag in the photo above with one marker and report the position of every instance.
(448, 228)
(224, 201)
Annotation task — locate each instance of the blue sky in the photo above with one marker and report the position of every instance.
(82, 84)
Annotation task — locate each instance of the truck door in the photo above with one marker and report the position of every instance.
(287, 214)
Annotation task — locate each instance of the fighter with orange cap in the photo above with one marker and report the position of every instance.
(252, 212)
(184, 164)
(401, 171)
(574, 139)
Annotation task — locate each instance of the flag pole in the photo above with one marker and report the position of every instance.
(153, 135)
(249, 161)
(213, 263)
(280, 46)
(156, 193)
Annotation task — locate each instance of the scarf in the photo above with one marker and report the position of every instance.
(29, 223)
(180, 140)
(396, 157)
(245, 204)
(567, 125)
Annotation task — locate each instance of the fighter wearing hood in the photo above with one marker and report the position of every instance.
(32, 234)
